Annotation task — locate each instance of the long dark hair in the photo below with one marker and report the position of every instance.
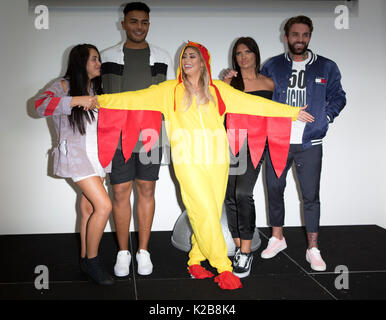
(78, 79)
(237, 82)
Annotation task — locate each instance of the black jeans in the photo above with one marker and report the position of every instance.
(239, 203)
(308, 164)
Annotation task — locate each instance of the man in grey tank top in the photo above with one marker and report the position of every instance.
(133, 65)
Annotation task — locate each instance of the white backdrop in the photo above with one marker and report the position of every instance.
(353, 182)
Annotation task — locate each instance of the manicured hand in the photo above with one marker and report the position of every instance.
(228, 74)
(304, 115)
(87, 102)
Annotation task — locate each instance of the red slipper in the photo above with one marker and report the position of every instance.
(198, 272)
(227, 280)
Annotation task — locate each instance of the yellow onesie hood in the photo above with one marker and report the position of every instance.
(205, 54)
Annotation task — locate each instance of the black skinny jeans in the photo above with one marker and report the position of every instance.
(239, 203)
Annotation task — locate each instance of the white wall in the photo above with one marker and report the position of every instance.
(382, 186)
(353, 182)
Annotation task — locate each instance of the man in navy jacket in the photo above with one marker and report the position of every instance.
(301, 77)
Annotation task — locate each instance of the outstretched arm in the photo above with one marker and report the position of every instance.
(113, 115)
(243, 103)
(54, 101)
(152, 99)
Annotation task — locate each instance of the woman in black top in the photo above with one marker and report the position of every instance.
(239, 203)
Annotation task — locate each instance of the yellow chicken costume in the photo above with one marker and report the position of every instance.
(200, 154)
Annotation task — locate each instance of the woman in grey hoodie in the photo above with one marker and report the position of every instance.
(76, 155)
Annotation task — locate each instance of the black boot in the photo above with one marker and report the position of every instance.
(82, 265)
(97, 272)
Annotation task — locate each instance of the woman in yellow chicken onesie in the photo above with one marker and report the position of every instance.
(194, 108)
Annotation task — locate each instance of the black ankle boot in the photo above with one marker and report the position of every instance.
(82, 265)
(96, 271)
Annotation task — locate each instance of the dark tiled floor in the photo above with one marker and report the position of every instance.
(359, 250)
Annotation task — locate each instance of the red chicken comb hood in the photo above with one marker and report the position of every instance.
(205, 54)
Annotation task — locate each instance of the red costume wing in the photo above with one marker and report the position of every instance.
(257, 136)
(279, 134)
(110, 125)
(112, 122)
(130, 133)
(150, 127)
(278, 131)
(237, 126)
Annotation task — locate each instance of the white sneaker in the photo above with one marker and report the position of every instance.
(145, 267)
(274, 246)
(122, 266)
(315, 259)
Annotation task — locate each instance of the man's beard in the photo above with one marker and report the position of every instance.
(295, 51)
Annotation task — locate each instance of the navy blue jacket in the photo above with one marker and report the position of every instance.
(325, 96)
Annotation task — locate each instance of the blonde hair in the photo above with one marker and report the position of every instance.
(204, 95)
